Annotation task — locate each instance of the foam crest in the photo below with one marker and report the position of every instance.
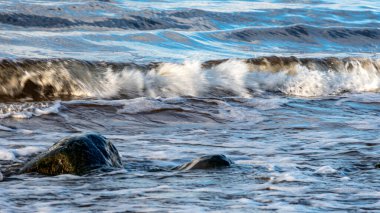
(309, 83)
(129, 83)
(175, 80)
(229, 76)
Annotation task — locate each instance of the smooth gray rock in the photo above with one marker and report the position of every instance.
(76, 155)
(206, 162)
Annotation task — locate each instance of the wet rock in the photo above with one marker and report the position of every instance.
(76, 155)
(377, 166)
(206, 162)
(1, 177)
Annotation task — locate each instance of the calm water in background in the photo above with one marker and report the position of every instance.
(303, 131)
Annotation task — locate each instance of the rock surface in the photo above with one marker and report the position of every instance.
(76, 155)
(207, 162)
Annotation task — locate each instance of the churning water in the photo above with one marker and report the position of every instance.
(289, 90)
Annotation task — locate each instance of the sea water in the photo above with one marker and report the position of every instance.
(288, 90)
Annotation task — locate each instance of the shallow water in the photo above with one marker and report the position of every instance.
(302, 126)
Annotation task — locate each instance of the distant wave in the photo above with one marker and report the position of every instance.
(92, 15)
(305, 34)
(133, 22)
(52, 79)
(147, 20)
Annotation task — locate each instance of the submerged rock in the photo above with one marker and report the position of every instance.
(207, 162)
(76, 155)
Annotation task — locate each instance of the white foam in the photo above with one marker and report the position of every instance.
(168, 80)
(140, 105)
(6, 154)
(230, 76)
(307, 82)
(266, 104)
(128, 82)
(310, 83)
(286, 177)
(28, 110)
(27, 151)
(325, 170)
(54, 109)
(171, 80)
(13, 154)
(233, 77)
(345, 178)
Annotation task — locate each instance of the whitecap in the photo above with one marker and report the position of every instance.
(325, 170)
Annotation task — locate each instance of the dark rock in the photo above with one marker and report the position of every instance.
(377, 166)
(76, 155)
(207, 162)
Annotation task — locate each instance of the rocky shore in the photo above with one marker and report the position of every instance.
(85, 153)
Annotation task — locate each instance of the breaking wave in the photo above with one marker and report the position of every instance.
(66, 79)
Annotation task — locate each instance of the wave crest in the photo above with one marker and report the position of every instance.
(72, 79)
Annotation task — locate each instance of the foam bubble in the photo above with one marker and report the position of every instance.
(325, 170)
